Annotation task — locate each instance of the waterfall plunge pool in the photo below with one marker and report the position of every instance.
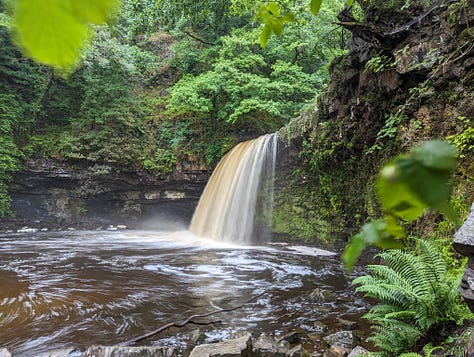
(81, 288)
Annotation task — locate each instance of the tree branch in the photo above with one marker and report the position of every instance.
(188, 320)
(199, 39)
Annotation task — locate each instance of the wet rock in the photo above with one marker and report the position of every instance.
(343, 339)
(121, 351)
(195, 335)
(5, 353)
(320, 328)
(337, 351)
(121, 226)
(175, 195)
(358, 352)
(347, 324)
(154, 195)
(238, 347)
(464, 237)
(464, 244)
(292, 338)
(297, 351)
(320, 295)
(269, 346)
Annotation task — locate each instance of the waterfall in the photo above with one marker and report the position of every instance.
(241, 183)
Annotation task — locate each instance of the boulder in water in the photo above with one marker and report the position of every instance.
(238, 347)
(343, 339)
(269, 346)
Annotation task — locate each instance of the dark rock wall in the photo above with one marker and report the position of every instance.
(51, 194)
(388, 94)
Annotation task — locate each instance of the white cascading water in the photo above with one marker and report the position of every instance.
(242, 180)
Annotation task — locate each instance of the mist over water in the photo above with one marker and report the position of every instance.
(97, 287)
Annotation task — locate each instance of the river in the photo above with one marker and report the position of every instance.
(104, 287)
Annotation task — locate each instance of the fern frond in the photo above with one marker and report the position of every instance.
(389, 275)
(415, 291)
(432, 258)
(389, 294)
(411, 268)
(393, 335)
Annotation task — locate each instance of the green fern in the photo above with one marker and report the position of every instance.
(415, 293)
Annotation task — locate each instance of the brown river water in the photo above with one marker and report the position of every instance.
(98, 287)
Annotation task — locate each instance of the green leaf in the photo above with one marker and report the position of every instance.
(93, 11)
(349, 3)
(353, 250)
(396, 197)
(315, 6)
(264, 35)
(372, 233)
(270, 16)
(273, 9)
(436, 154)
(392, 227)
(431, 186)
(55, 32)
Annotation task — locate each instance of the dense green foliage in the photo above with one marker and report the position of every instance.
(166, 84)
(416, 294)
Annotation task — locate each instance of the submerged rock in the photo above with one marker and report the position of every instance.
(347, 324)
(123, 351)
(320, 296)
(238, 347)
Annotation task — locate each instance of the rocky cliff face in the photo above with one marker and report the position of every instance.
(395, 88)
(50, 194)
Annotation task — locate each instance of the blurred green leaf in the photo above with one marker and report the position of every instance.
(315, 6)
(349, 3)
(264, 36)
(436, 154)
(396, 197)
(55, 32)
(94, 11)
(353, 250)
(373, 233)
